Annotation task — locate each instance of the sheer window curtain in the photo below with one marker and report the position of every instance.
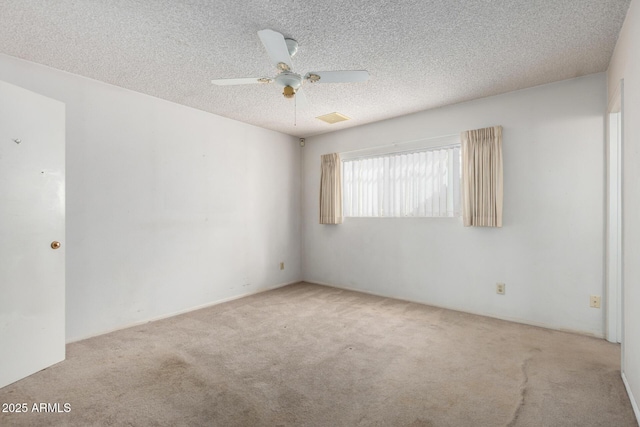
(413, 184)
(482, 177)
(330, 190)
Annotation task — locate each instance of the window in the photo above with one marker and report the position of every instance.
(417, 183)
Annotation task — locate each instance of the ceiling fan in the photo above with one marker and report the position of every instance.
(281, 50)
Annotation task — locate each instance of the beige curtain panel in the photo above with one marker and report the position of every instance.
(330, 190)
(482, 177)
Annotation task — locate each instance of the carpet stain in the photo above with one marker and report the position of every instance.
(173, 363)
(421, 423)
(291, 398)
(523, 392)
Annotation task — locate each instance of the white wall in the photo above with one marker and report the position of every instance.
(550, 250)
(625, 64)
(168, 208)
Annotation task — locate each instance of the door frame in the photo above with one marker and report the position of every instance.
(614, 218)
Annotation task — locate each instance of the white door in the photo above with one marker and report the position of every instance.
(32, 202)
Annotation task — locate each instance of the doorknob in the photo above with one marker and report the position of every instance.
(55, 244)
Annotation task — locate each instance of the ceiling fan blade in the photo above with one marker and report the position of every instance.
(301, 99)
(276, 48)
(338, 76)
(241, 81)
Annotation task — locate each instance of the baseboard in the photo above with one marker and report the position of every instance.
(187, 310)
(634, 402)
(507, 318)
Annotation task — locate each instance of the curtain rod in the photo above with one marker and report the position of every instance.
(395, 144)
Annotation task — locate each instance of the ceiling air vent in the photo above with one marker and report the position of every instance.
(332, 118)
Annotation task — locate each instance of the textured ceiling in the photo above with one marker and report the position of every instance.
(420, 53)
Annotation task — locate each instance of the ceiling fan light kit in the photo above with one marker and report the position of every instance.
(280, 51)
(288, 92)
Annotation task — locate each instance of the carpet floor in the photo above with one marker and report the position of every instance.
(309, 355)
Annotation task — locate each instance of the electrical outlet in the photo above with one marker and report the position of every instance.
(594, 301)
(282, 265)
(500, 288)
